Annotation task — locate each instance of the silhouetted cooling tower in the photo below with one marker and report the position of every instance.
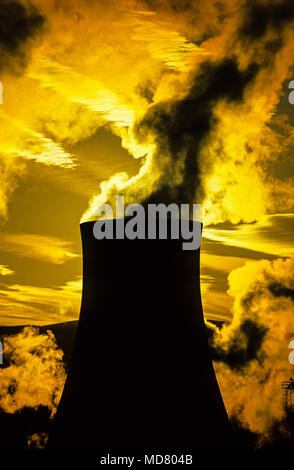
(141, 376)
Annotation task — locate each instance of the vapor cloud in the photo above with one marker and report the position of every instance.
(179, 127)
(206, 129)
(35, 375)
(251, 353)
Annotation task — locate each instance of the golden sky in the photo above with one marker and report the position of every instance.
(179, 101)
(188, 98)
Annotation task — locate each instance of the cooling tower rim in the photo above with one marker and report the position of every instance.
(129, 218)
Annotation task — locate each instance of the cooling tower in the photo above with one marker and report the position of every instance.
(141, 376)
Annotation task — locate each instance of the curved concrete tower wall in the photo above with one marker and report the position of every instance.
(141, 376)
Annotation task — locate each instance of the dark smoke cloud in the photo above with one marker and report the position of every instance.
(243, 347)
(279, 290)
(180, 126)
(262, 30)
(260, 18)
(18, 26)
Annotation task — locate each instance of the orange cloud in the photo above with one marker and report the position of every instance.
(5, 271)
(35, 305)
(270, 234)
(35, 375)
(251, 353)
(45, 248)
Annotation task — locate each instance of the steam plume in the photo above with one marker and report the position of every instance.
(35, 375)
(251, 354)
(205, 131)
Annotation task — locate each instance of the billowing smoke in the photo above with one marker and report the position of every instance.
(208, 136)
(190, 87)
(20, 24)
(267, 18)
(251, 354)
(178, 128)
(35, 374)
(207, 130)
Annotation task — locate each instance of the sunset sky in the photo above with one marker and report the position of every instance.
(94, 91)
(162, 101)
